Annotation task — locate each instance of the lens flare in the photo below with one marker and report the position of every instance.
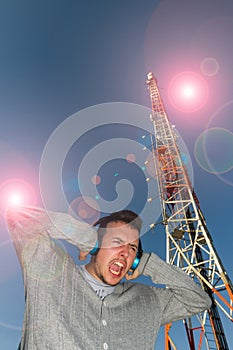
(117, 190)
(16, 192)
(130, 158)
(214, 150)
(85, 208)
(96, 179)
(209, 66)
(188, 92)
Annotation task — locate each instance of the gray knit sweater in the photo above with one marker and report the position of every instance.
(62, 311)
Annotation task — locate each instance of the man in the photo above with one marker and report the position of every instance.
(70, 307)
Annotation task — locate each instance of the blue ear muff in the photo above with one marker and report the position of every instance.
(135, 263)
(133, 267)
(95, 249)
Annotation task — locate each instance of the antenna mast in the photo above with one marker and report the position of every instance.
(188, 242)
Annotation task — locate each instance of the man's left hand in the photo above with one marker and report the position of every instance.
(132, 274)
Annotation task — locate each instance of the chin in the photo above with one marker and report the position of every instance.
(115, 281)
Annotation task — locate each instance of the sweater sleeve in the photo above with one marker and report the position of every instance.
(182, 297)
(27, 224)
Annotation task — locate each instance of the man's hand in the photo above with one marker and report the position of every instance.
(132, 274)
(83, 255)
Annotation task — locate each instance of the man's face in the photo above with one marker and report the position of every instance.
(116, 255)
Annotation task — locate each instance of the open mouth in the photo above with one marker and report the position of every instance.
(116, 268)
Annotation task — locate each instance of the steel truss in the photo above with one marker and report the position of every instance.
(188, 242)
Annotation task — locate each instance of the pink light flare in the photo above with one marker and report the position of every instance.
(85, 208)
(16, 192)
(130, 158)
(188, 92)
(96, 179)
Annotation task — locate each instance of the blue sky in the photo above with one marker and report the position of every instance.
(58, 58)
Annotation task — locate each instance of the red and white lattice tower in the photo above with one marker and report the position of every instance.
(188, 242)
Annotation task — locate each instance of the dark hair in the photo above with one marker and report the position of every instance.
(126, 216)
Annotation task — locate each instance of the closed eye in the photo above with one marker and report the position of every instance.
(117, 242)
(133, 247)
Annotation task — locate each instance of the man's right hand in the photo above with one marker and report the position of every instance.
(83, 255)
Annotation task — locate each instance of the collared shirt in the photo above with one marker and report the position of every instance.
(101, 289)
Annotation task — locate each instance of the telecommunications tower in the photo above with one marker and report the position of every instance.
(188, 242)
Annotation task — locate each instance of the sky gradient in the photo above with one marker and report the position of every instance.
(59, 59)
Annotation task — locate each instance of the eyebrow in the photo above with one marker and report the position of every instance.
(123, 242)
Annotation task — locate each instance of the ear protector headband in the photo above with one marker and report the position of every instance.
(136, 261)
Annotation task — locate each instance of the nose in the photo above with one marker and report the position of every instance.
(124, 250)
